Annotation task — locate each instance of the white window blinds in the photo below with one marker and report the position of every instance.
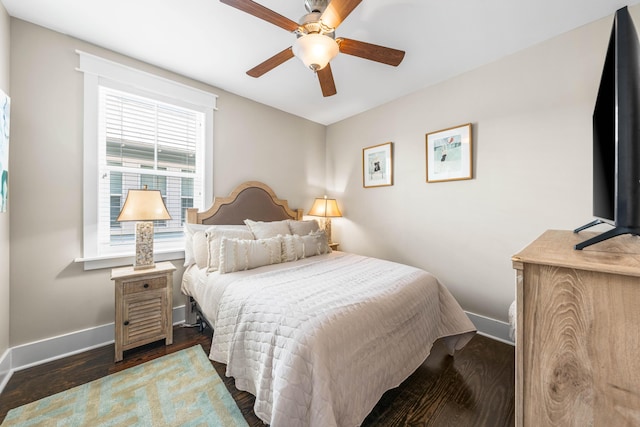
(144, 142)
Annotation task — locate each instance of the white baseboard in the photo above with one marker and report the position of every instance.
(491, 328)
(39, 352)
(43, 351)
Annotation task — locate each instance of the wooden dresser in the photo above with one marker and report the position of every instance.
(578, 332)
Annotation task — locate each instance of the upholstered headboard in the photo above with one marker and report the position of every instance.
(250, 200)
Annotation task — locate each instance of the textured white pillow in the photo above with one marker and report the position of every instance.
(292, 249)
(302, 228)
(215, 233)
(265, 230)
(298, 247)
(200, 249)
(190, 230)
(238, 254)
(315, 244)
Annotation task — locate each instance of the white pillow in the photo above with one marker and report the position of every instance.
(238, 254)
(315, 244)
(200, 249)
(302, 228)
(189, 246)
(292, 249)
(265, 230)
(214, 234)
(298, 247)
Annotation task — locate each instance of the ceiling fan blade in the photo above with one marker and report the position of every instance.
(373, 52)
(259, 11)
(271, 63)
(337, 11)
(328, 86)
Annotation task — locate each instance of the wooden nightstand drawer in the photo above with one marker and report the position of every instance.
(144, 285)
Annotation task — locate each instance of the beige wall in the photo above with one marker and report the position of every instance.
(4, 217)
(531, 115)
(52, 295)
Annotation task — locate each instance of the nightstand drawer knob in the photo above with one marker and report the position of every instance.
(146, 285)
(126, 323)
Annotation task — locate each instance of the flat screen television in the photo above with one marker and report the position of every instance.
(616, 136)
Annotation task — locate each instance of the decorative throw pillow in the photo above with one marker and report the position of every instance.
(200, 249)
(292, 249)
(315, 244)
(298, 247)
(215, 233)
(238, 254)
(265, 230)
(302, 228)
(190, 230)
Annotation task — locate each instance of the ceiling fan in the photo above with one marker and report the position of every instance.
(316, 44)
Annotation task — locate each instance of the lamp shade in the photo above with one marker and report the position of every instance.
(325, 208)
(143, 205)
(315, 50)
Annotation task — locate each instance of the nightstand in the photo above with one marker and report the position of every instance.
(143, 306)
(334, 246)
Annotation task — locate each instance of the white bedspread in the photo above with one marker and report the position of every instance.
(318, 342)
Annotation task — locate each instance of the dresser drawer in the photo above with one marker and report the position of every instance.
(135, 286)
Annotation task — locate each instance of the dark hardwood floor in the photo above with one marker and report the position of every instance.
(473, 388)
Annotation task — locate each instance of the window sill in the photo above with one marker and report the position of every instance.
(120, 260)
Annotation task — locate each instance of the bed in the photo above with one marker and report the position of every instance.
(316, 335)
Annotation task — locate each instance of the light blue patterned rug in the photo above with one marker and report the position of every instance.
(179, 389)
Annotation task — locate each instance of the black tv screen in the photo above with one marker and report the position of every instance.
(604, 141)
(616, 135)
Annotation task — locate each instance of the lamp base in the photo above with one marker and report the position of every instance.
(144, 245)
(327, 228)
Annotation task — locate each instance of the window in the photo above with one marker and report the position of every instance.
(141, 130)
(145, 143)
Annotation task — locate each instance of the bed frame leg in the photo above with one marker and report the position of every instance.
(193, 317)
(190, 316)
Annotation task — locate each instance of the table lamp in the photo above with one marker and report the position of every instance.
(144, 206)
(325, 208)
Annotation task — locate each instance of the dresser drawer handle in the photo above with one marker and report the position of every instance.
(146, 285)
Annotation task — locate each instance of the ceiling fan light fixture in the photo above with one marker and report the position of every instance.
(315, 50)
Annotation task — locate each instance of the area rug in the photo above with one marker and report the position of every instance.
(179, 389)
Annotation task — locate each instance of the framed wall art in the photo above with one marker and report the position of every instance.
(377, 165)
(5, 103)
(449, 154)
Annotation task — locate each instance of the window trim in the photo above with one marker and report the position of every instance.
(103, 72)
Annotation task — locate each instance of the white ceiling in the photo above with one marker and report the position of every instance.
(216, 44)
